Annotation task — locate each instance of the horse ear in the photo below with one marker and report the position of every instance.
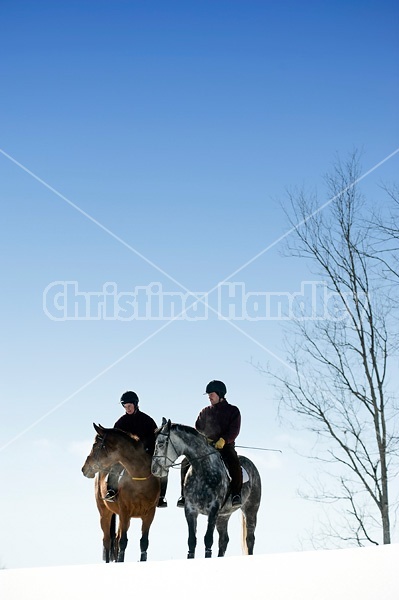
(99, 428)
(163, 421)
(169, 423)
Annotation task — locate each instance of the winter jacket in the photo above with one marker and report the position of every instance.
(219, 420)
(141, 425)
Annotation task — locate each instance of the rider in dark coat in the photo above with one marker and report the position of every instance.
(138, 423)
(143, 426)
(221, 423)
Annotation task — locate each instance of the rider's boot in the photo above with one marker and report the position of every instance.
(164, 484)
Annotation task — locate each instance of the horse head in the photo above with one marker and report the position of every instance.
(165, 453)
(100, 456)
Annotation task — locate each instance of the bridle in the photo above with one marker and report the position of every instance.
(165, 456)
(100, 447)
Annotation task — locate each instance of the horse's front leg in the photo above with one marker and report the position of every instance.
(208, 539)
(191, 518)
(145, 529)
(124, 524)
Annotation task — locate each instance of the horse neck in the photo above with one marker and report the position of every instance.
(194, 447)
(134, 459)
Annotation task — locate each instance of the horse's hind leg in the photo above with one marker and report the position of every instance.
(107, 522)
(145, 530)
(221, 526)
(248, 531)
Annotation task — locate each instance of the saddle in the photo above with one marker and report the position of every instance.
(245, 476)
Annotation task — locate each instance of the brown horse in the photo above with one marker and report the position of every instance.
(138, 489)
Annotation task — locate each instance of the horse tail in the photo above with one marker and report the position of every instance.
(250, 506)
(112, 533)
(244, 545)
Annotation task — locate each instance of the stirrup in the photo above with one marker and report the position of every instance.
(236, 500)
(110, 496)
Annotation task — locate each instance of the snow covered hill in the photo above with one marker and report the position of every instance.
(355, 574)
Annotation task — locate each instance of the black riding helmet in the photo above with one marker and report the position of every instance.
(216, 386)
(130, 398)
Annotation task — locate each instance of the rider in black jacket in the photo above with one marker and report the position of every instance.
(143, 426)
(220, 422)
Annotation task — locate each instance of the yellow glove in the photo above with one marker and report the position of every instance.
(219, 444)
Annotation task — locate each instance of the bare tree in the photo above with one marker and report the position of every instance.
(387, 243)
(342, 357)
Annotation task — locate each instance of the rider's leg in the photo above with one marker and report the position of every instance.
(112, 482)
(232, 462)
(164, 484)
(183, 472)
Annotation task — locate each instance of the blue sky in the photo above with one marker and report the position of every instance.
(151, 142)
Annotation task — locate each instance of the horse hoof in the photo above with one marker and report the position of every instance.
(190, 555)
(143, 556)
(208, 553)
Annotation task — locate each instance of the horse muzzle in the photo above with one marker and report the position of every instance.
(158, 470)
(88, 471)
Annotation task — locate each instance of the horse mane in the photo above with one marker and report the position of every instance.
(184, 428)
(130, 436)
(189, 429)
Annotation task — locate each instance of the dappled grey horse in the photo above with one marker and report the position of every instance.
(206, 486)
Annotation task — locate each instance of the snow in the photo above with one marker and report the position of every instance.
(355, 574)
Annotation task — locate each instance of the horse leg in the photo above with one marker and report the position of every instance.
(113, 550)
(108, 538)
(124, 523)
(248, 531)
(221, 526)
(249, 518)
(191, 518)
(208, 539)
(145, 529)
